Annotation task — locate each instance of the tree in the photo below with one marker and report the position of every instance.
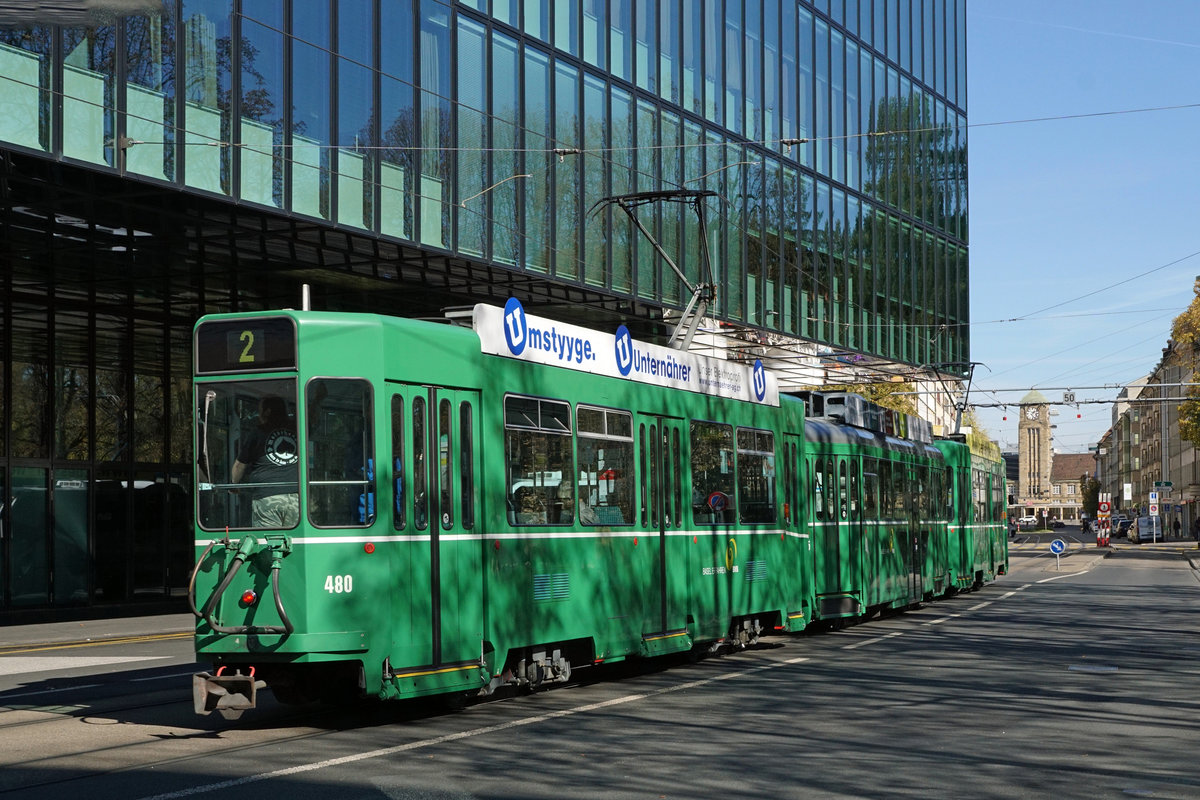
(1185, 351)
(1090, 488)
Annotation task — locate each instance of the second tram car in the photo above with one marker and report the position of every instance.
(398, 508)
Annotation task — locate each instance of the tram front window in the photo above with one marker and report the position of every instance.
(247, 465)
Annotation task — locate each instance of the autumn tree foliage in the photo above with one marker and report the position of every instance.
(1185, 348)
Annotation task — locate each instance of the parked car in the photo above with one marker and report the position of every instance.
(1120, 525)
(1027, 523)
(1146, 529)
(1056, 523)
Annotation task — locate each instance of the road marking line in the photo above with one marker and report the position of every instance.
(38, 648)
(872, 641)
(946, 618)
(1068, 575)
(8, 697)
(163, 677)
(17, 665)
(453, 737)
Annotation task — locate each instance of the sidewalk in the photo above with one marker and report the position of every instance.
(95, 629)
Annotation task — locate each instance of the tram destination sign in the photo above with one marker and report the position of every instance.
(511, 332)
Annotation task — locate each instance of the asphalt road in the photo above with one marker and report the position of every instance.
(1069, 681)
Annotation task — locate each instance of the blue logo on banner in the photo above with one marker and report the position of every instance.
(515, 326)
(623, 349)
(760, 379)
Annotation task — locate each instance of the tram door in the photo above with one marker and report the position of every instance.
(918, 537)
(660, 463)
(435, 467)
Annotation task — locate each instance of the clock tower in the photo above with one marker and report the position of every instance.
(1035, 453)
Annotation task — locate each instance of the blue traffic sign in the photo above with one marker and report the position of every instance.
(1058, 546)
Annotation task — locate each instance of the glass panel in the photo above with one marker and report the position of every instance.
(622, 154)
(249, 456)
(5, 523)
(420, 474)
(595, 27)
(656, 462)
(31, 383)
(537, 19)
(506, 121)
(89, 60)
(646, 57)
(473, 175)
(567, 172)
(693, 50)
(537, 160)
(150, 94)
(397, 170)
(734, 68)
(310, 131)
(149, 417)
(111, 405)
(261, 130)
(595, 247)
(341, 459)
(207, 58)
(466, 464)
(756, 475)
(25, 86)
(605, 490)
(712, 473)
(566, 27)
(670, 49)
(356, 117)
(445, 463)
(29, 517)
(72, 385)
(620, 26)
(151, 500)
(435, 189)
(713, 60)
(538, 457)
(398, 482)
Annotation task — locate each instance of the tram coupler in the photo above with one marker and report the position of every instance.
(228, 694)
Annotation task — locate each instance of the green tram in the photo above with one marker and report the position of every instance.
(399, 508)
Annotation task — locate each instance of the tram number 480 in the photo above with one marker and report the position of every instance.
(339, 584)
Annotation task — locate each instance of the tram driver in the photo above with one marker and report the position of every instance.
(269, 462)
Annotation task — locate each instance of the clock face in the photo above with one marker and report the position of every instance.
(1031, 413)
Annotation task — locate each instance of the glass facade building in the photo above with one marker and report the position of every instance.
(405, 156)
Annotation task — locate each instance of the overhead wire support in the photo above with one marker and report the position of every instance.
(704, 291)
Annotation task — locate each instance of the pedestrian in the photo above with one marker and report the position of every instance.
(1175, 526)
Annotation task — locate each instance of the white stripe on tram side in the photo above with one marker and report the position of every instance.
(624, 533)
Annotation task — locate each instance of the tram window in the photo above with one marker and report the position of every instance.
(854, 491)
(248, 455)
(819, 490)
(466, 465)
(538, 460)
(445, 467)
(641, 465)
(677, 483)
(712, 459)
(605, 443)
(419, 474)
(398, 496)
(341, 462)
(870, 493)
(843, 491)
(655, 457)
(756, 475)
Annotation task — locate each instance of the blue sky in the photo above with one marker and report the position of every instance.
(1064, 208)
